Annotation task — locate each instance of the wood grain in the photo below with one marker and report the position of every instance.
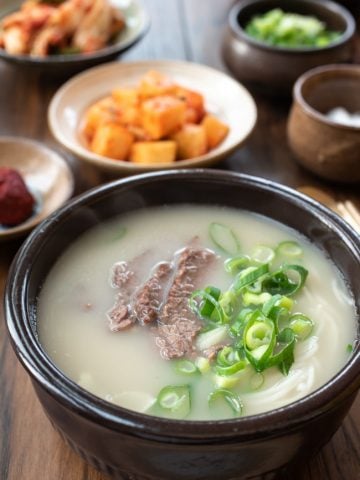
(181, 29)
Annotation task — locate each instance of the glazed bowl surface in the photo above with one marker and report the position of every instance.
(130, 445)
(328, 148)
(274, 69)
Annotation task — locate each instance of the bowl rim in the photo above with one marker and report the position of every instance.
(330, 5)
(40, 367)
(341, 70)
(123, 166)
(82, 58)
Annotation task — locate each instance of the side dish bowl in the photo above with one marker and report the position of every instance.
(274, 68)
(224, 97)
(328, 148)
(137, 24)
(111, 437)
(46, 175)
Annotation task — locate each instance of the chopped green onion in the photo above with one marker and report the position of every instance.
(235, 264)
(212, 337)
(227, 381)
(174, 401)
(290, 30)
(224, 238)
(202, 364)
(228, 302)
(259, 340)
(283, 355)
(249, 276)
(186, 367)
(255, 299)
(227, 356)
(223, 396)
(280, 282)
(258, 334)
(263, 254)
(204, 303)
(229, 361)
(289, 249)
(301, 325)
(349, 348)
(237, 328)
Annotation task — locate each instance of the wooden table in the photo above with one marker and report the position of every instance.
(181, 29)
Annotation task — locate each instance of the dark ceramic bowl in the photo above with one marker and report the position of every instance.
(137, 24)
(329, 149)
(135, 446)
(275, 69)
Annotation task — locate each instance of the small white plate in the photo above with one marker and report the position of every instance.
(46, 174)
(224, 97)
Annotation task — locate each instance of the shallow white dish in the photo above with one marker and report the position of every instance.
(46, 174)
(224, 97)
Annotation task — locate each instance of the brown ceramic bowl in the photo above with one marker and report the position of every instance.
(275, 69)
(327, 148)
(135, 446)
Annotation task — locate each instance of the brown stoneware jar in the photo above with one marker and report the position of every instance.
(329, 149)
(274, 69)
(134, 446)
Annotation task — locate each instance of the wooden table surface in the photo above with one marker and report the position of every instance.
(181, 29)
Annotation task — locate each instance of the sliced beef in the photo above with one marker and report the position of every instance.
(178, 325)
(149, 297)
(162, 300)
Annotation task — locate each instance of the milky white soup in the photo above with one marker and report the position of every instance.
(92, 328)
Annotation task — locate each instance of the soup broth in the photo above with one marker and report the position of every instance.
(129, 364)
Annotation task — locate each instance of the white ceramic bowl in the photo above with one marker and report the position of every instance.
(46, 175)
(224, 97)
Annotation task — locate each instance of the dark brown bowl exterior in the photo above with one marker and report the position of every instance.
(328, 149)
(134, 446)
(275, 69)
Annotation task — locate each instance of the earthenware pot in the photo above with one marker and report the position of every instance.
(130, 445)
(329, 149)
(272, 68)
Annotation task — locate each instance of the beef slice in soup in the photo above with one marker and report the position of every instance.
(125, 279)
(177, 325)
(150, 296)
(163, 299)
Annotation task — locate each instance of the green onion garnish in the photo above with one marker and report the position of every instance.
(249, 276)
(205, 304)
(349, 348)
(263, 254)
(235, 264)
(186, 367)
(174, 401)
(224, 238)
(288, 280)
(259, 340)
(301, 325)
(289, 249)
(223, 396)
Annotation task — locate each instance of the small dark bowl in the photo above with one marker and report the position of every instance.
(131, 445)
(275, 69)
(327, 148)
(138, 24)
